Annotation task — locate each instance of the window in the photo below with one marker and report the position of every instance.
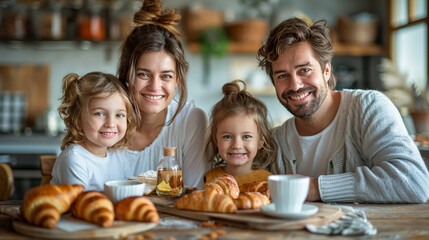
(408, 35)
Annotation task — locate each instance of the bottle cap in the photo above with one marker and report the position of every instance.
(169, 151)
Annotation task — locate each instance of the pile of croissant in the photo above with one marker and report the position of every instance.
(44, 205)
(223, 194)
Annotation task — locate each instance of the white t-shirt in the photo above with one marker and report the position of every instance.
(186, 133)
(76, 165)
(312, 157)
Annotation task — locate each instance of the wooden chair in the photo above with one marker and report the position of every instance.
(6, 181)
(46, 164)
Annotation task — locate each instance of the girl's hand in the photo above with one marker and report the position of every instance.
(313, 191)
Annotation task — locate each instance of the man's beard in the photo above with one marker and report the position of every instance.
(305, 110)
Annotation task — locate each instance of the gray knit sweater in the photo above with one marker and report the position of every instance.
(377, 161)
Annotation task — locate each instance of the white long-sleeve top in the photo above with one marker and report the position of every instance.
(376, 162)
(76, 165)
(187, 133)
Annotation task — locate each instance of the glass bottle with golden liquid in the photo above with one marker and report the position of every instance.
(169, 180)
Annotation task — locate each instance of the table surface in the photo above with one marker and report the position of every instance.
(392, 221)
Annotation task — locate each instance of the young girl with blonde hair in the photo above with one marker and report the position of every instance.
(239, 137)
(99, 120)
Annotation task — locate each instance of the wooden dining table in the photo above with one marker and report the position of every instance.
(392, 221)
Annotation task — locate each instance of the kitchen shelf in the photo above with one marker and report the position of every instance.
(244, 48)
(341, 49)
(110, 46)
(266, 91)
(57, 44)
(348, 49)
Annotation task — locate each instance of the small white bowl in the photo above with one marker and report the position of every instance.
(119, 189)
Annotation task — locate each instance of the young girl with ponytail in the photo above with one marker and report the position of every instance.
(99, 119)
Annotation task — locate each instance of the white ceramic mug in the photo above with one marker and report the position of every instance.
(288, 192)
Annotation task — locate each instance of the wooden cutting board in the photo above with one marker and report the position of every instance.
(253, 219)
(120, 229)
(33, 81)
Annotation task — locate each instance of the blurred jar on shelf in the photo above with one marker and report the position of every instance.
(70, 12)
(49, 22)
(121, 17)
(92, 22)
(126, 15)
(14, 24)
(2, 7)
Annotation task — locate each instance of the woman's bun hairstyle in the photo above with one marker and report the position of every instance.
(151, 13)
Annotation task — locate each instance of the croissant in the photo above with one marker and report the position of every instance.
(225, 184)
(259, 186)
(137, 208)
(94, 207)
(207, 200)
(251, 200)
(44, 205)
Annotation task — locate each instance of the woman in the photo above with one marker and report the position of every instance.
(152, 65)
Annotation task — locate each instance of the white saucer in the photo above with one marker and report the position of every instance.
(307, 210)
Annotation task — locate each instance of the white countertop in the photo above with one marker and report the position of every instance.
(33, 144)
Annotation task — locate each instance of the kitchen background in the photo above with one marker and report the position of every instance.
(42, 41)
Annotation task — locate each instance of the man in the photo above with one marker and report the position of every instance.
(352, 143)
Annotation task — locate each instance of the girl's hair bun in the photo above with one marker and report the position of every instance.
(233, 90)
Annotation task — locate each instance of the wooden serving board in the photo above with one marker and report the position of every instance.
(120, 229)
(253, 219)
(33, 81)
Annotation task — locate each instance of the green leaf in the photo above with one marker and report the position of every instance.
(214, 41)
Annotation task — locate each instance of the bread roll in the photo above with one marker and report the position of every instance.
(207, 200)
(136, 209)
(44, 205)
(94, 207)
(225, 184)
(259, 186)
(251, 200)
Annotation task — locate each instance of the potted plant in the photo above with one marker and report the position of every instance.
(253, 25)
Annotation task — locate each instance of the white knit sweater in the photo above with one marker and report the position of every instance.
(377, 161)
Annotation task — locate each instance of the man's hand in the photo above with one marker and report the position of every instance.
(313, 191)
